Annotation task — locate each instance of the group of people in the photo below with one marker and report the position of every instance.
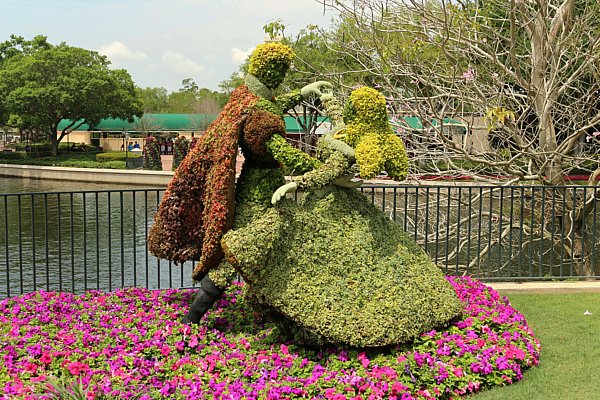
(166, 147)
(131, 146)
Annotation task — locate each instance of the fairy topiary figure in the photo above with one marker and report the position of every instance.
(368, 131)
(203, 201)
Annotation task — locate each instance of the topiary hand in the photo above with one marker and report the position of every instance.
(330, 140)
(280, 193)
(348, 181)
(320, 89)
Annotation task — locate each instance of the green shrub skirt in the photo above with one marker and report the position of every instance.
(338, 271)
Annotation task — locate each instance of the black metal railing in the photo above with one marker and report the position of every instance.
(84, 240)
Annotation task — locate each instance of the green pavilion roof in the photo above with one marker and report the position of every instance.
(292, 125)
(166, 123)
(150, 122)
(416, 123)
(198, 122)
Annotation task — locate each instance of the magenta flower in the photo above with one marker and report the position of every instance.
(129, 342)
(46, 358)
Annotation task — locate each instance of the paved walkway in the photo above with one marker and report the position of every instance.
(547, 287)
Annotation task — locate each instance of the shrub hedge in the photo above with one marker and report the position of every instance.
(116, 156)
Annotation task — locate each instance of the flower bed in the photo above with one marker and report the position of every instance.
(130, 343)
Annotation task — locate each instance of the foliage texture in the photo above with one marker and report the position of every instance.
(181, 148)
(369, 132)
(339, 269)
(198, 205)
(269, 62)
(152, 160)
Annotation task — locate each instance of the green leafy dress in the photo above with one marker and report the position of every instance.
(332, 268)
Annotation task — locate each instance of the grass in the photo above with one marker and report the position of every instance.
(570, 360)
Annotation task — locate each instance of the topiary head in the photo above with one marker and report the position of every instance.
(269, 62)
(365, 105)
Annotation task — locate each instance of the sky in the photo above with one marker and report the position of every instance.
(161, 42)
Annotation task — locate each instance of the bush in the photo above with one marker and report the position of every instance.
(152, 160)
(181, 148)
(116, 156)
(78, 161)
(93, 164)
(13, 155)
(62, 147)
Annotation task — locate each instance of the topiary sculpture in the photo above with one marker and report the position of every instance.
(203, 201)
(336, 270)
(181, 148)
(368, 131)
(333, 268)
(152, 160)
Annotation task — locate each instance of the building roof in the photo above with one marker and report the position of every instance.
(199, 122)
(413, 123)
(166, 123)
(150, 122)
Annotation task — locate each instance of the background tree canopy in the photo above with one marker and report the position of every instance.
(43, 84)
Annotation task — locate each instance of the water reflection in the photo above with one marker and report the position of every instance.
(74, 241)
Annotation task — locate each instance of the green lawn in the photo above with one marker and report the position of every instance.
(570, 362)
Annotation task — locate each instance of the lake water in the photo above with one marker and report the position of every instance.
(75, 236)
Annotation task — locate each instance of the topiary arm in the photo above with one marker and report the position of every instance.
(319, 89)
(328, 144)
(294, 160)
(335, 167)
(289, 100)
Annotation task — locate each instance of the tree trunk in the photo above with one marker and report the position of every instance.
(54, 141)
(579, 247)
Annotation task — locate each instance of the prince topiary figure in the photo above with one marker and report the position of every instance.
(203, 201)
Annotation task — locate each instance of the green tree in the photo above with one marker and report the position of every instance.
(190, 99)
(14, 47)
(64, 82)
(154, 99)
(18, 46)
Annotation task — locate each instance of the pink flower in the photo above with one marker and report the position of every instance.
(31, 367)
(469, 75)
(46, 358)
(363, 360)
(76, 368)
(284, 349)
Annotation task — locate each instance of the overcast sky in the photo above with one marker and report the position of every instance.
(160, 42)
